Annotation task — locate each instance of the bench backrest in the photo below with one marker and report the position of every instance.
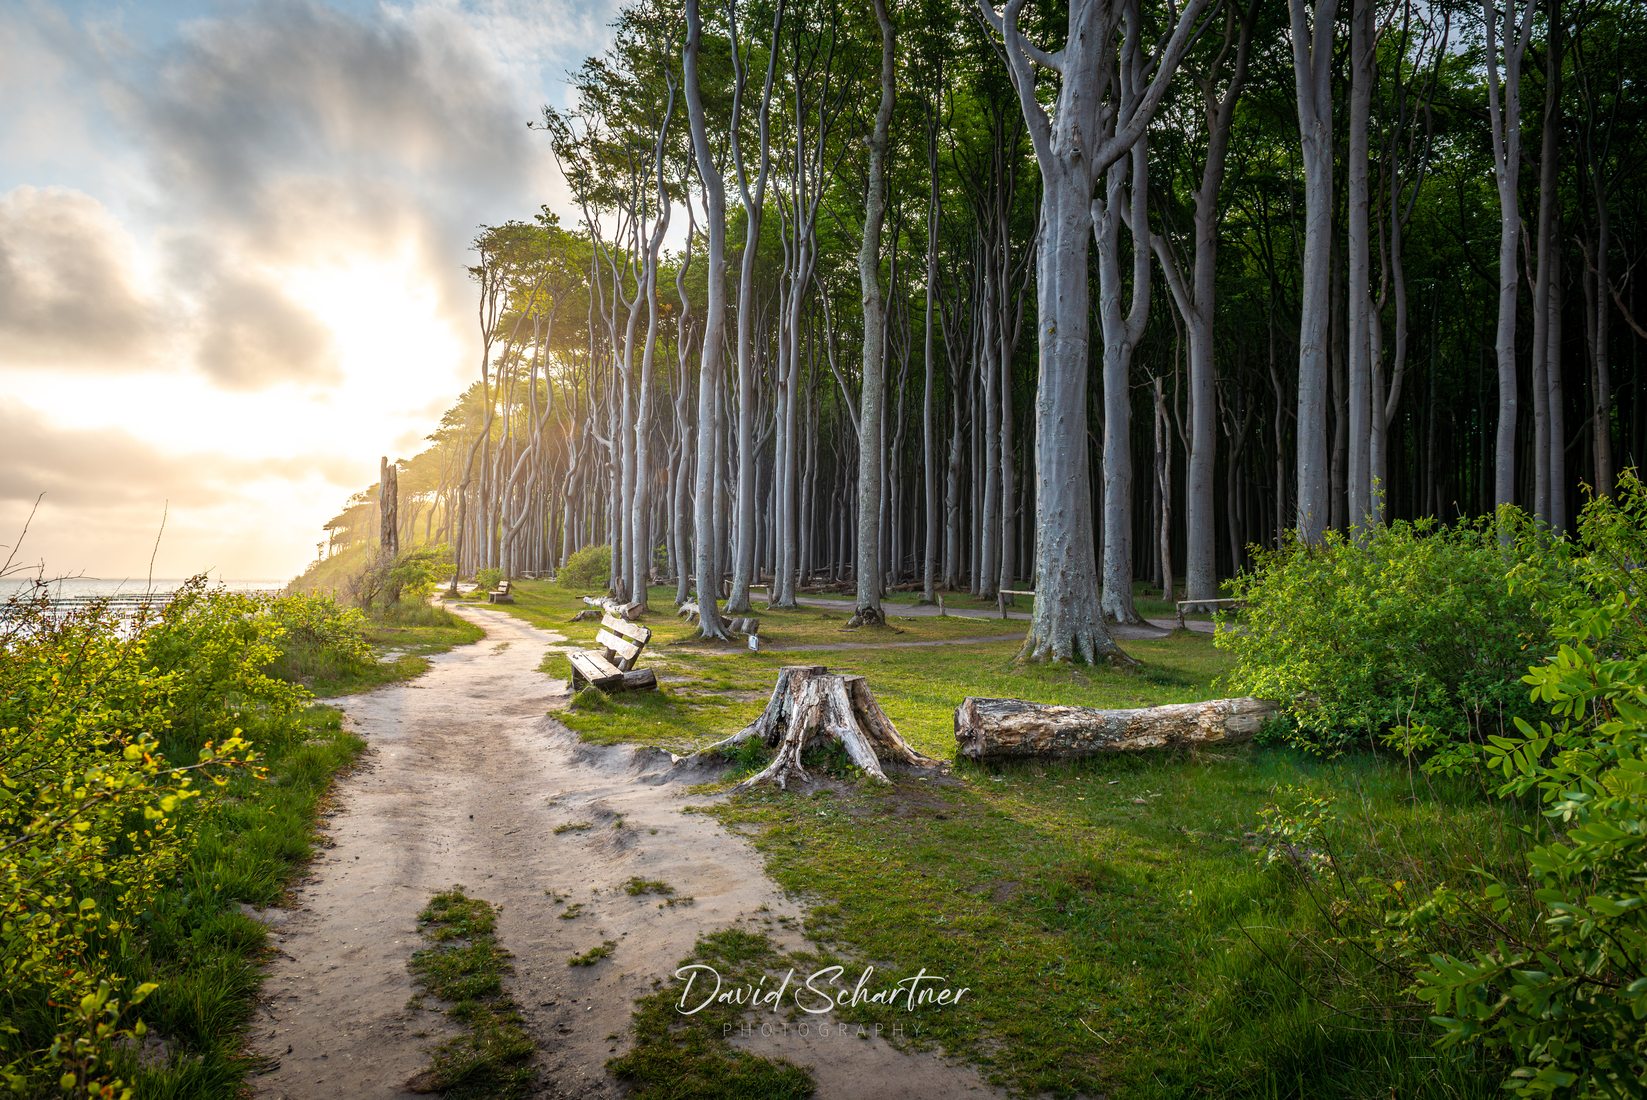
(622, 640)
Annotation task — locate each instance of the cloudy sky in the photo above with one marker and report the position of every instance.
(232, 247)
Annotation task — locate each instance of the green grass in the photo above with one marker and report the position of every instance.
(543, 604)
(1146, 598)
(1118, 932)
(637, 886)
(708, 691)
(681, 1057)
(201, 948)
(602, 950)
(402, 639)
(1101, 912)
(465, 967)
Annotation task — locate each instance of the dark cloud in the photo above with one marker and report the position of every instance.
(251, 100)
(68, 293)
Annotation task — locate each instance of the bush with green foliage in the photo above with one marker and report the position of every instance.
(1534, 964)
(1565, 995)
(488, 579)
(111, 732)
(1410, 624)
(320, 638)
(416, 572)
(586, 570)
(412, 574)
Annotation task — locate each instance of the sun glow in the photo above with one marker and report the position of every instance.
(391, 341)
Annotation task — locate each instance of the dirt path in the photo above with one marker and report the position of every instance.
(466, 781)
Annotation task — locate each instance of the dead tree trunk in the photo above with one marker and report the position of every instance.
(996, 729)
(388, 507)
(809, 706)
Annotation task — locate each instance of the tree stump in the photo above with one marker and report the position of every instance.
(810, 706)
(995, 729)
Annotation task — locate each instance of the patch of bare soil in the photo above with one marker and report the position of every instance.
(467, 781)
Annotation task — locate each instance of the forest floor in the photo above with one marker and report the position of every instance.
(1114, 920)
(470, 781)
(1117, 920)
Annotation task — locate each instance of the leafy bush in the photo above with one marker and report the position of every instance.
(115, 737)
(1566, 997)
(412, 574)
(319, 638)
(1534, 963)
(106, 728)
(1415, 625)
(415, 572)
(586, 569)
(488, 579)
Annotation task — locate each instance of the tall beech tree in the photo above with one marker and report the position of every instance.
(933, 210)
(1084, 134)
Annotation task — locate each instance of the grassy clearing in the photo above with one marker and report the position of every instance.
(1119, 932)
(1101, 913)
(201, 947)
(1146, 599)
(680, 1057)
(707, 692)
(402, 639)
(465, 967)
(543, 604)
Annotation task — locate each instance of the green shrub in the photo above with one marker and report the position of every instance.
(412, 574)
(488, 579)
(586, 569)
(415, 573)
(1565, 995)
(1415, 625)
(320, 638)
(106, 730)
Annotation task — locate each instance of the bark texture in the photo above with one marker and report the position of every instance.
(998, 729)
(810, 706)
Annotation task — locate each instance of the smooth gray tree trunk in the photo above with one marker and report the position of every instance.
(1312, 69)
(1504, 119)
(714, 336)
(871, 406)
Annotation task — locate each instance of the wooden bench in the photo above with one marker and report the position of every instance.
(1205, 605)
(612, 666)
(500, 594)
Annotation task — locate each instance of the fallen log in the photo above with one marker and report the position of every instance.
(998, 729)
(811, 705)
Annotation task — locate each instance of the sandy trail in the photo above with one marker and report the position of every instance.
(466, 781)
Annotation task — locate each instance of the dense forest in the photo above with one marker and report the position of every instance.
(1062, 296)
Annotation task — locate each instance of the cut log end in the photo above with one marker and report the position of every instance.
(1001, 729)
(810, 706)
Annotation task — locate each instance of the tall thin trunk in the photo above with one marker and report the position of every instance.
(1363, 77)
(714, 335)
(1312, 69)
(929, 464)
(1504, 117)
(871, 404)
